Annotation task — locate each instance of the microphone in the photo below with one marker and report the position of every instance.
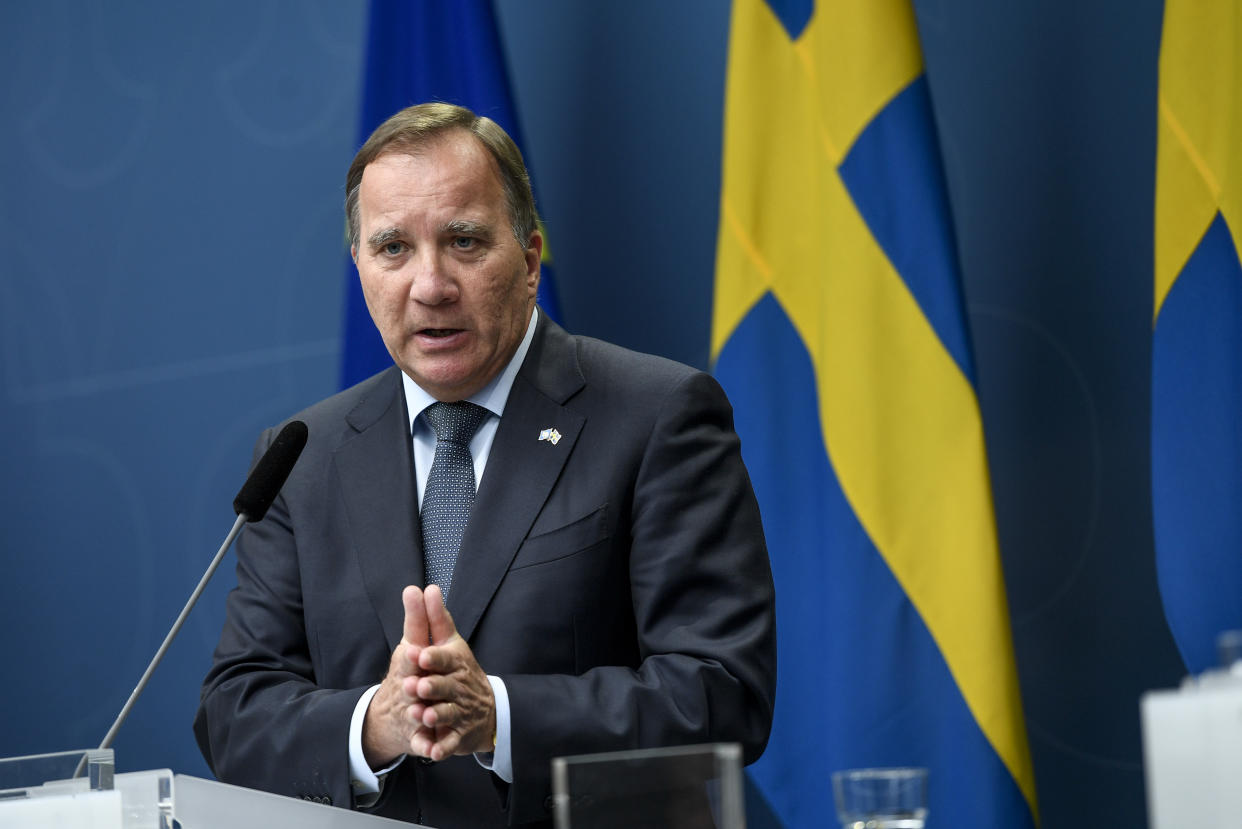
(270, 473)
(251, 504)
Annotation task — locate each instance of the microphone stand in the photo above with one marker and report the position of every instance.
(159, 654)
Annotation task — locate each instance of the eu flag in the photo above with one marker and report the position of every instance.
(1196, 411)
(428, 51)
(839, 333)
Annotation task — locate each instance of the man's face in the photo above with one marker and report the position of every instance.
(446, 282)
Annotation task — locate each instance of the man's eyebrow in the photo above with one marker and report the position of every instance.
(382, 237)
(464, 227)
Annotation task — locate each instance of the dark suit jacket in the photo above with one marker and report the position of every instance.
(617, 581)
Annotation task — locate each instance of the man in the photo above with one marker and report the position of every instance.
(611, 587)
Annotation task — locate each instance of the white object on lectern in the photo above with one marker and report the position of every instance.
(1192, 752)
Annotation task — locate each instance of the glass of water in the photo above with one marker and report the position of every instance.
(881, 798)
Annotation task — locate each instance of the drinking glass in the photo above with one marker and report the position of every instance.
(881, 798)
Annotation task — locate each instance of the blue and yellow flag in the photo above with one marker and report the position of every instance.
(417, 52)
(839, 333)
(1196, 412)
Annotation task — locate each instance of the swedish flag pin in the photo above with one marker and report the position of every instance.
(550, 435)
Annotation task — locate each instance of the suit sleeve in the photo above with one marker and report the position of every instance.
(263, 721)
(704, 613)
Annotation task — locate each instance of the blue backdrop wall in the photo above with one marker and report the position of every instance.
(170, 182)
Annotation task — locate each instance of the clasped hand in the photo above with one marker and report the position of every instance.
(435, 701)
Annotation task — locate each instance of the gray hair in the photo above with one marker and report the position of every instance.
(414, 127)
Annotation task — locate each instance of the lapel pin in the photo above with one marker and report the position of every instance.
(550, 435)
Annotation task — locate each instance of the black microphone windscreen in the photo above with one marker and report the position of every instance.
(269, 474)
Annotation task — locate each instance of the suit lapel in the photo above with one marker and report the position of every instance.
(376, 477)
(521, 471)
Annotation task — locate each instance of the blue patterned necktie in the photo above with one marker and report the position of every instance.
(449, 493)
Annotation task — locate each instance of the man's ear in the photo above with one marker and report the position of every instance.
(534, 255)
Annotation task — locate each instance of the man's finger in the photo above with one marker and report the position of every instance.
(437, 659)
(433, 688)
(447, 742)
(415, 630)
(442, 715)
(439, 622)
(421, 742)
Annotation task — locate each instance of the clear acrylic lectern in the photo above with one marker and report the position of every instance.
(686, 787)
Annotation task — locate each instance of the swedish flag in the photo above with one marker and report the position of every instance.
(1197, 345)
(839, 332)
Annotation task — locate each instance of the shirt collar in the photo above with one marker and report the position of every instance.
(492, 397)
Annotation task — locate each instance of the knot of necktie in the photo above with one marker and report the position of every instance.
(455, 422)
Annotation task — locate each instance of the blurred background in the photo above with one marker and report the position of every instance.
(174, 279)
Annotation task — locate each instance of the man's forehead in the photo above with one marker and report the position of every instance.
(458, 148)
(453, 169)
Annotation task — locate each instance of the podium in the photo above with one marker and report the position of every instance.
(684, 787)
(1192, 751)
(79, 790)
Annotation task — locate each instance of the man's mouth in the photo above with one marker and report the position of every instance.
(439, 332)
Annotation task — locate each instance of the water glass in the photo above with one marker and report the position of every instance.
(881, 798)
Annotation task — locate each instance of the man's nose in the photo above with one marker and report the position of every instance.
(432, 283)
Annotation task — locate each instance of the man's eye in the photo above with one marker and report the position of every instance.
(393, 248)
(463, 242)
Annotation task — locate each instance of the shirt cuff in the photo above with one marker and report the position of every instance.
(366, 784)
(500, 760)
